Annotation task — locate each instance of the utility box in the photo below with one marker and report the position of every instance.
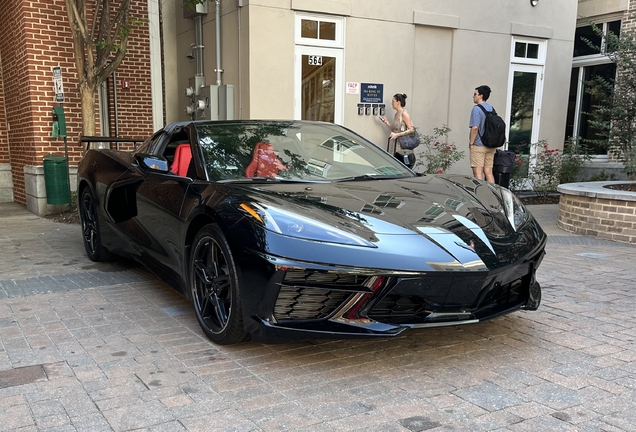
(56, 179)
(192, 11)
(226, 102)
(210, 96)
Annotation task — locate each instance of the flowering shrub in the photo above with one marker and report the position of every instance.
(519, 175)
(437, 155)
(546, 168)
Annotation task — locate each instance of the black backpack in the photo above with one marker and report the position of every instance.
(494, 129)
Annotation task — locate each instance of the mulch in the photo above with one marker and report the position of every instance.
(67, 217)
(537, 199)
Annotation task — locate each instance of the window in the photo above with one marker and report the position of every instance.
(319, 31)
(586, 35)
(589, 62)
(528, 51)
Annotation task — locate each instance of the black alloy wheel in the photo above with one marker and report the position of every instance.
(90, 228)
(215, 287)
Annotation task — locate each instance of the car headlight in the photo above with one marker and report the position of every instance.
(287, 223)
(516, 212)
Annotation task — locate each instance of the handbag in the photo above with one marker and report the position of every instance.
(410, 141)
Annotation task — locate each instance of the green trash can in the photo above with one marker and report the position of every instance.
(56, 179)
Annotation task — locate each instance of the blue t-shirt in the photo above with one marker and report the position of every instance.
(478, 118)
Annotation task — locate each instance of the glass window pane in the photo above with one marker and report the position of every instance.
(581, 48)
(327, 31)
(533, 51)
(520, 49)
(318, 97)
(614, 27)
(522, 111)
(309, 29)
(586, 130)
(574, 87)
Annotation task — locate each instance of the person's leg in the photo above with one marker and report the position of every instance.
(478, 173)
(488, 174)
(489, 157)
(477, 161)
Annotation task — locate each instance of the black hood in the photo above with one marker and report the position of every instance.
(400, 206)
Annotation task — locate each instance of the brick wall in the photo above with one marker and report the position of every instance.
(4, 139)
(39, 39)
(598, 217)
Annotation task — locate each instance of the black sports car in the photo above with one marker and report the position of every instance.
(283, 230)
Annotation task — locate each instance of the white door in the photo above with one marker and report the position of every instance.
(525, 88)
(318, 86)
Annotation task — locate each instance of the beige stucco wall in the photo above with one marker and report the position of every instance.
(435, 52)
(593, 8)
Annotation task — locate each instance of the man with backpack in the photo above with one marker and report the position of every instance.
(487, 132)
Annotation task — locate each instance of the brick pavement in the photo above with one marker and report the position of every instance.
(95, 347)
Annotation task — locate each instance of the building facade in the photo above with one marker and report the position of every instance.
(614, 16)
(307, 59)
(331, 60)
(37, 41)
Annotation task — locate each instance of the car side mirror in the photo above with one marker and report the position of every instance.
(155, 163)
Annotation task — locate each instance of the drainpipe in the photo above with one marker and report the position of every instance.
(217, 17)
(198, 45)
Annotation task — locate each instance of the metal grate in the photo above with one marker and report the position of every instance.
(302, 303)
(294, 277)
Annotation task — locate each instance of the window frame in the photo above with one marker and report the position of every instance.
(542, 54)
(338, 21)
(603, 54)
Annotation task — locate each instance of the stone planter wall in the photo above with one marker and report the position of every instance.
(591, 209)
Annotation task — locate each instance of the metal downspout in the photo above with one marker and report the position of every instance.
(198, 45)
(217, 18)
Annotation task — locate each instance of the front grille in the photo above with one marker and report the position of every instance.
(300, 277)
(302, 303)
(398, 309)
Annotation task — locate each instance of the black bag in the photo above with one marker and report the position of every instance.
(410, 141)
(494, 129)
(407, 157)
(504, 161)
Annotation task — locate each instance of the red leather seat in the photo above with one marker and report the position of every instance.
(182, 158)
(264, 163)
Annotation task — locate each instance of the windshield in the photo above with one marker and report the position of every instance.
(295, 151)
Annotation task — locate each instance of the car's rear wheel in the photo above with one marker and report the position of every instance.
(90, 228)
(215, 287)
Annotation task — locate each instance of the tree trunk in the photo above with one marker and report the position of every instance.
(88, 111)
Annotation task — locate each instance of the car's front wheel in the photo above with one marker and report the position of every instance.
(90, 227)
(215, 287)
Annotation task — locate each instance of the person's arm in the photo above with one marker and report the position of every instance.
(385, 121)
(475, 121)
(473, 136)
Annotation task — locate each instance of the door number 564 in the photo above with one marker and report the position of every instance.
(315, 60)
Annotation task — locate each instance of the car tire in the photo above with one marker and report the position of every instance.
(90, 228)
(214, 282)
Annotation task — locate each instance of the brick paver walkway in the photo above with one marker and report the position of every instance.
(95, 347)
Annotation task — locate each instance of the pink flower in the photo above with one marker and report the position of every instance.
(516, 156)
(542, 157)
(448, 147)
(437, 143)
(519, 162)
(439, 171)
